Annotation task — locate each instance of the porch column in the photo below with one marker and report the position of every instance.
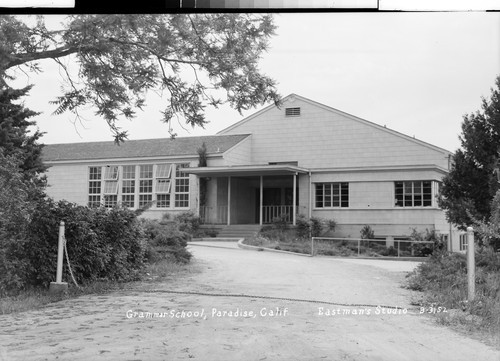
(294, 198)
(198, 205)
(261, 196)
(228, 200)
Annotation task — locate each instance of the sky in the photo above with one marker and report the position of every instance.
(416, 73)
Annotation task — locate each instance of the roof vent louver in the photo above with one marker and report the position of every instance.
(292, 112)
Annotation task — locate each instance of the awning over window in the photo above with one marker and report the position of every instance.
(246, 170)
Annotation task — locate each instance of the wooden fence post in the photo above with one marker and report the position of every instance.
(58, 285)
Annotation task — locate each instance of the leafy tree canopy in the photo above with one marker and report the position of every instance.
(122, 57)
(16, 139)
(474, 178)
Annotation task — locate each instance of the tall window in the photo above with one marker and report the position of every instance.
(163, 185)
(181, 186)
(332, 195)
(94, 186)
(413, 194)
(136, 186)
(145, 184)
(128, 186)
(110, 186)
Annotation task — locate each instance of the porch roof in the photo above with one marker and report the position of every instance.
(246, 170)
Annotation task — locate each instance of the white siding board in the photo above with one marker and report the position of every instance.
(240, 154)
(321, 138)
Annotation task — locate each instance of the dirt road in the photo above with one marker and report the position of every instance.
(202, 327)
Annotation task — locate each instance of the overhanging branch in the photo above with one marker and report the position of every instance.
(19, 59)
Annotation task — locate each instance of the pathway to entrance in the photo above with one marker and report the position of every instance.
(212, 325)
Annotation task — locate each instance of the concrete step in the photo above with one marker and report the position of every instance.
(239, 231)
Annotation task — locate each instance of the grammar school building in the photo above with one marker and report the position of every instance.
(302, 158)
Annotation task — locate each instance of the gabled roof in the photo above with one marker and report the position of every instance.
(333, 110)
(182, 146)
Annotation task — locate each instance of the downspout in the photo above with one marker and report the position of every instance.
(310, 195)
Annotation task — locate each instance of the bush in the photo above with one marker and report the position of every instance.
(313, 227)
(188, 222)
(166, 241)
(101, 244)
(426, 249)
(444, 279)
(280, 223)
(367, 232)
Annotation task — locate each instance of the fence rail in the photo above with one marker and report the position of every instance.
(377, 245)
(271, 212)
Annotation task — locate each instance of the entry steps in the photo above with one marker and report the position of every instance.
(239, 231)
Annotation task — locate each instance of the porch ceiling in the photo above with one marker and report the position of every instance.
(246, 170)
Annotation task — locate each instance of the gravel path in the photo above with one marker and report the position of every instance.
(204, 327)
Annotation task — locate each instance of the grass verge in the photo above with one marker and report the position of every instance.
(36, 298)
(443, 283)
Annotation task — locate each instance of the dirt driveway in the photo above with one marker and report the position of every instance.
(203, 327)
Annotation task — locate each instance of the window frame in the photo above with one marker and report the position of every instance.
(337, 192)
(136, 185)
(414, 194)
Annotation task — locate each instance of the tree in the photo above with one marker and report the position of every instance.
(468, 189)
(15, 137)
(122, 57)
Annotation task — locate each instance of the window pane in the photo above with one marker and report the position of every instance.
(163, 200)
(319, 195)
(94, 201)
(110, 201)
(128, 186)
(95, 173)
(146, 171)
(182, 200)
(128, 200)
(110, 187)
(111, 172)
(162, 186)
(145, 199)
(163, 171)
(129, 172)
(344, 194)
(145, 186)
(398, 191)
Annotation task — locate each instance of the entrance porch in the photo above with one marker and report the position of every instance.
(249, 194)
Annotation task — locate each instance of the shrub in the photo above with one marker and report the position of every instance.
(302, 228)
(101, 244)
(313, 227)
(166, 241)
(367, 232)
(188, 222)
(280, 223)
(426, 249)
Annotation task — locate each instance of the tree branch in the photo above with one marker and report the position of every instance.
(19, 59)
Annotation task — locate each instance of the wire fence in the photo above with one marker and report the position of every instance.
(370, 247)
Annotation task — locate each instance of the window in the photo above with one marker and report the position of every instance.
(413, 194)
(94, 187)
(292, 112)
(128, 186)
(181, 186)
(463, 242)
(145, 184)
(332, 195)
(163, 185)
(137, 186)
